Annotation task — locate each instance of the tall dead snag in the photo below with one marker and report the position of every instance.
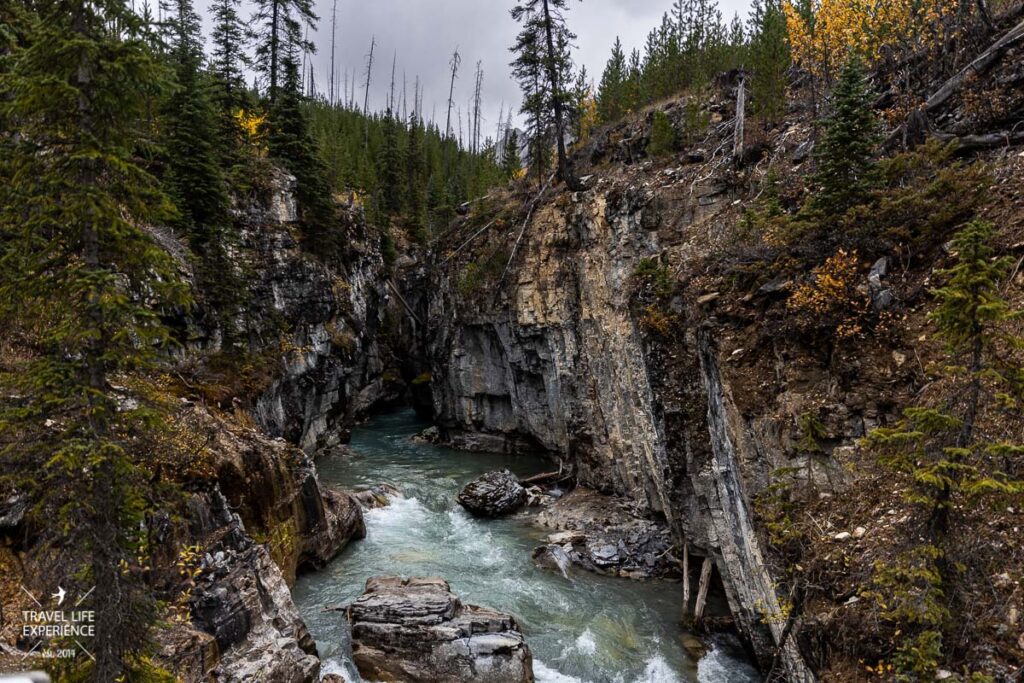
(366, 96)
(332, 89)
(741, 116)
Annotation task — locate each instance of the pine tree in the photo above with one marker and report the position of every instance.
(846, 153)
(510, 163)
(290, 142)
(543, 45)
(282, 23)
(769, 58)
(611, 91)
(194, 148)
(528, 69)
(83, 284)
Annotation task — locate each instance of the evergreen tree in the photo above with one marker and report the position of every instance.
(229, 37)
(282, 24)
(528, 68)
(79, 282)
(196, 181)
(941, 447)
(664, 139)
(290, 142)
(543, 45)
(510, 163)
(769, 58)
(389, 170)
(951, 464)
(846, 152)
(415, 182)
(194, 178)
(611, 91)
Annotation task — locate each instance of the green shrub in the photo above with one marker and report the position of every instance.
(664, 140)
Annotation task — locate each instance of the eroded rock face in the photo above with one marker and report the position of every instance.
(494, 494)
(264, 516)
(417, 630)
(605, 535)
(559, 356)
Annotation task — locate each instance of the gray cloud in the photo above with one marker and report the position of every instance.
(422, 34)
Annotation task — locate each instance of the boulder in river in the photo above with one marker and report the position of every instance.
(417, 630)
(493, 495)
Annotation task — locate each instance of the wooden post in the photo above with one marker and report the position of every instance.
(686, 579)
(702, 589)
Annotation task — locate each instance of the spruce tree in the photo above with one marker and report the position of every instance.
(389, 172)
(544, 44)
(194, 178)
(229, 37)
(82, 284)
(953, 466)
(510, 163)
(941, 447)
(282, 25)
(291, 143)
(769, 58)
(415, 181)
(845, 154)
(611, 91)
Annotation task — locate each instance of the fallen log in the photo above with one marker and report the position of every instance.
(969, 143)
(980, 65)
(538, 478)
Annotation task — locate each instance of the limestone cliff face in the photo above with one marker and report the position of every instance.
(258, 513)
(555, 353)
(320, 321)
(557, 360)
(263, 516)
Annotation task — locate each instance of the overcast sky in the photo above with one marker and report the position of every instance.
(424, 33)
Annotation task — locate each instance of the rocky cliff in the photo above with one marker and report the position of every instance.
(301, 357)
(598, 326)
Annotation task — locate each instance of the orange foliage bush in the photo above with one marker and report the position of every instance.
(831, 300)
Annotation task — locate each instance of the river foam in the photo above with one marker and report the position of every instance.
(587, 629)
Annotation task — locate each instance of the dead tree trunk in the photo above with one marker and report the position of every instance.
(332, 94)
(366, 96)
(686, 579)
(741, 116)
(702, 589)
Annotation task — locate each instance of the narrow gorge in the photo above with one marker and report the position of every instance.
(707, 371)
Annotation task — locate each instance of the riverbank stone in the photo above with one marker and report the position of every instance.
(495, 494)
(605, 535)
(418, 630)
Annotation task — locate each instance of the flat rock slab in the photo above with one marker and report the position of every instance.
(417, 630)
(493, 495)
(605, 535)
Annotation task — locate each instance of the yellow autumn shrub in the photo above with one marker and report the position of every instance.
(831, 300)
(823, 33)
